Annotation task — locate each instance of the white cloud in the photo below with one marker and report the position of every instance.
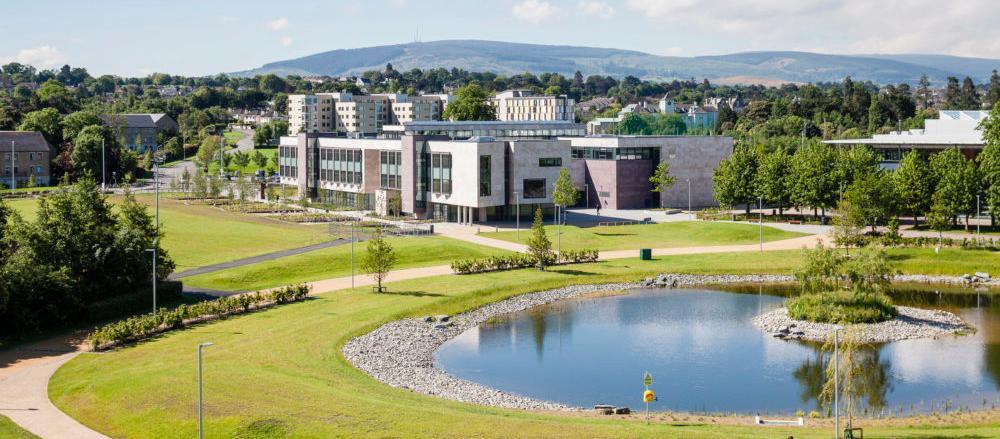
(533, 11)
(596, 9)
(278, 24)
(45, 57)
(286, 41)
(839, 26)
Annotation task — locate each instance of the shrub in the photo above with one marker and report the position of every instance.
(519, 260)
(145, 325)
(843, 307)
(131, 303)
(577, 256)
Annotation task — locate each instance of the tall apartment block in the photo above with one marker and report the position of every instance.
(514, 105)
(358, 114)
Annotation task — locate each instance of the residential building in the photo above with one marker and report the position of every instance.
(30, 154)
(952, 129)
(491, 170)
(517, 105)
(358, 115)
(592, 106)
(138, 131)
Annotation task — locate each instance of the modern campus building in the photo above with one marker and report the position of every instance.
(360, 115)
(952, 129)
(138, 131)
(31, 155)
(513, 105)
(483, 171)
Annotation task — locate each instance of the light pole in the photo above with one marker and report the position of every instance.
(103, 179)
(977, 216)
(201, 419)
(760, 220)
(13, 181)
(517, 216)
(352, 254)
(689, 194)
(153, 251)
(836, 382)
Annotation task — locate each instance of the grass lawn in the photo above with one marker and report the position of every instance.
(280, 373)
(198, 235)
(10, 430)
(663, 235)
(336, 261)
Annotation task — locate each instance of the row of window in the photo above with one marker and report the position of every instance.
(441, 173)
(390, 169)
(288, 161)
(340, 165)
(32, 156)
(597, 153)
(34, 170)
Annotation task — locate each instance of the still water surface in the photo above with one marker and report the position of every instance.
(706, 356)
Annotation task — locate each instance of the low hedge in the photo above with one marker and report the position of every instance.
(146, 325)
(518, 260)
(134, 302)
(843, 307)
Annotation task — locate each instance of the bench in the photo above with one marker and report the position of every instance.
(796, 222)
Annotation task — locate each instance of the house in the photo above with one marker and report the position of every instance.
(138, 131)
(32, 157)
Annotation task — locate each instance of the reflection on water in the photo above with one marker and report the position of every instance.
(705, 355)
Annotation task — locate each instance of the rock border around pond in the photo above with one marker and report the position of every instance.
(910, 323)
(401, 353)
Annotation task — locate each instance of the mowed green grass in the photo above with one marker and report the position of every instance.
(662, 235)
(283, 368)
(333, 262)
(10, 430)
(197, 235)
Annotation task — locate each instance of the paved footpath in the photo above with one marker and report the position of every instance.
(26, 371)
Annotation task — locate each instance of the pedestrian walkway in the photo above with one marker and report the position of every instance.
(258, 258)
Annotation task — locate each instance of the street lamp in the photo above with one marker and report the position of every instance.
(760, 220)
(836, 381)
(689, 194)
(517, 215)
(201, 419)
(978, 212)
(352, 254)
(13, 181)
(153, 250)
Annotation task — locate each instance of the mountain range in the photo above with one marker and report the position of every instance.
(769, 68)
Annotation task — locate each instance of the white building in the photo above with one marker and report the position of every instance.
(518, 105)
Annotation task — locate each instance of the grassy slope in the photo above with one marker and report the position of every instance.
(673, 234)
(201, 235)
(10, 430)
(285, 364)
(336, 262)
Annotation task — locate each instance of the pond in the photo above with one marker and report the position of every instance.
(705, 355)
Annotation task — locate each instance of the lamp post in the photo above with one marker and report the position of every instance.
(352, 254)
(153, 251)
(103, 179)
(836, 382)
(517, 216)
(760, 221)
(977, 216)
(13, 181)
(689, 194)
(201, 418)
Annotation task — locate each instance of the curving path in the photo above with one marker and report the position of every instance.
(26, 371)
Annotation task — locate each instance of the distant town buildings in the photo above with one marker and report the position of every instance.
(952, 129)
(257, 117)
(138, 131)
(31, 157)
(697, 118)
(513, 105)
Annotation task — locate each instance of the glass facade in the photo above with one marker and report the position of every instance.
(441, 173)
(550, 162)
(599, 153)
(390, 169)
(288, 161)
(485, 176)
(534, 188)
(340, 165)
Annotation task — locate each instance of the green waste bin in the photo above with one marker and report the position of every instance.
(646, 254)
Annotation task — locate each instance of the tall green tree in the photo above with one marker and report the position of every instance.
(379, 258)
(814, 179)
(969, 97)
(565, 194)
(539, 246)
(953, 95)
(733, 179)
(661, 179)
(47, 121)
(86, 156)
(914, 185)
(989, 163)
(75, 122)
(956, 182)
(853, 163)
(471, 102)
(772, 181)
(871, 198)
(993, 93)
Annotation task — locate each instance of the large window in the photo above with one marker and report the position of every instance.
(598, 153)
(390, 169)
(534, 188)
(288, 161)
(549, 162)
(485, 176)
(340, 165)
(441, 173)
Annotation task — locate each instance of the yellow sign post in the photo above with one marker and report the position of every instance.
(648, 396)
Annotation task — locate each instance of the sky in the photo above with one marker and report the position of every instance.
(188, 37)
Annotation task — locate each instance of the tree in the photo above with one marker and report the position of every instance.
(565, 194)
(925, 97)
(953, 95)
(820, 270)
(378, 259)
(52, 94)
(772, 178)
(956, 182)
(47, 121)
(633, 123)
(969, 98)
(847, 226)
(661, 179)
(86, 156)
(73, 123)
(539, 246)
(199, 184)
(992, 97)
(913, 185)
(814, 177)
(939, 217)
(870, 198)
(734, 176)
(869, 272)
(260, 159)
(262, 136)
(847, 376)
(208, 150)
(471, 103)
